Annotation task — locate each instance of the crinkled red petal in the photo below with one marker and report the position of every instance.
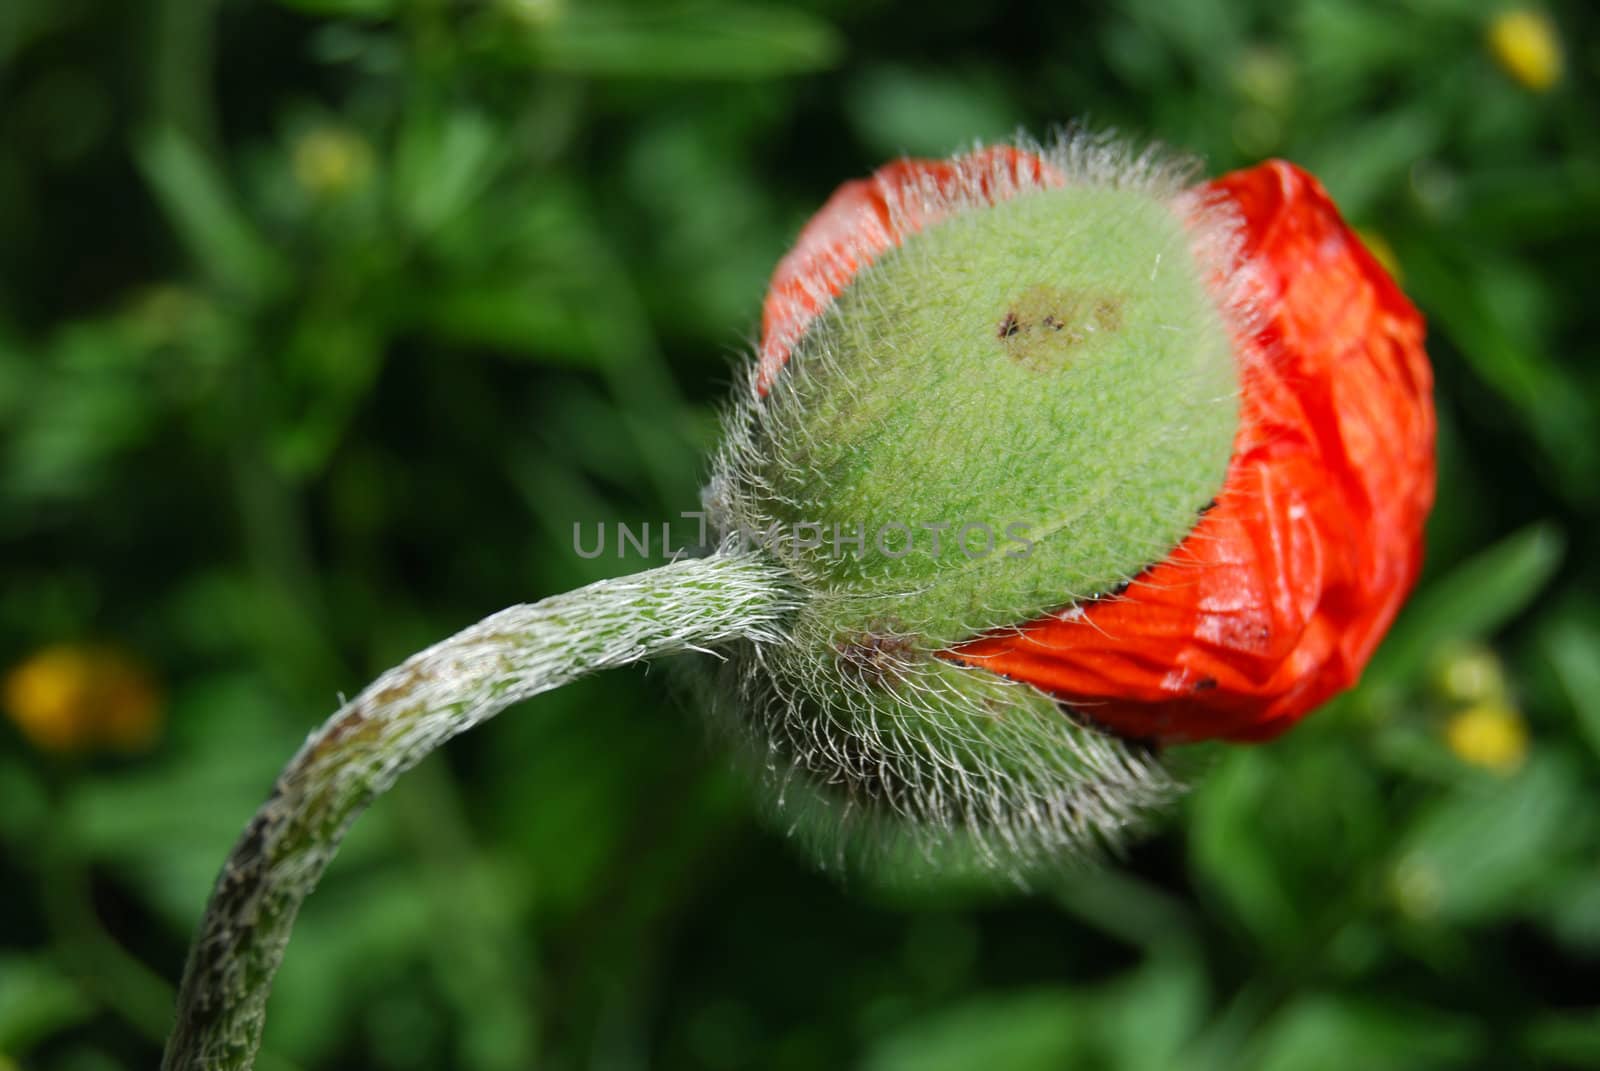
(1278, 597)
(856, 226)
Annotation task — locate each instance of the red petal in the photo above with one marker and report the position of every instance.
(1277, 599)
(865, 217)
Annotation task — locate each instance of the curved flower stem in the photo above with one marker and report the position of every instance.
(392, 725)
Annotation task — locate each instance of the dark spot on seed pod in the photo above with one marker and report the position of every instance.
(1046, 326)
(1108, 314)
(1208, 507)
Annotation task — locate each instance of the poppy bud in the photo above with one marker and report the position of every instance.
(1051, 459)
(1201, 414)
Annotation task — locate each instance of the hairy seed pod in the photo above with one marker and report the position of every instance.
(1186, 428)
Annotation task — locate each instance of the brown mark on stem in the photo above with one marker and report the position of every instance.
(875, 658)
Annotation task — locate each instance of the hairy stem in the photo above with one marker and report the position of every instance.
(392, 725)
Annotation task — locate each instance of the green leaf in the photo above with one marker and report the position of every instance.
(1147, 1019)
(443, 165)
(1490, 306)
(1369, 159)
(83, 405)
(902, 110)
(683, 41)
(1471, 603)
(346, 8)
(202, 208)
(1035, 1030)
(1229, 850)
(166, 826)
(1326, 1033)
(337, 361)
(1570, 906)
(1140, 1021)
(36, 1000)
(361, 928)
(1482, 848)
(1569, 1039)
(534, 318)
(1574, 649)
(24, 805)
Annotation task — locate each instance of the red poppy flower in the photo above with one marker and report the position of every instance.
(1279, 595)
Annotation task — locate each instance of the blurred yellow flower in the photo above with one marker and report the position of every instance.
(1490, 734)
(1471, 674)
(70, 698)
(330, 161)
(1527, 47)
(1381, 251)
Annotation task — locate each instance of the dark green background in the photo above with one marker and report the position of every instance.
(271, 433)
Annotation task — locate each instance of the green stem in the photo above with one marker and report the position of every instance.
(398, 720)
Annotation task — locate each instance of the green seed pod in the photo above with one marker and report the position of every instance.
(1020, 403)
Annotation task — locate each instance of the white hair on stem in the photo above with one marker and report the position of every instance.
(399, 719)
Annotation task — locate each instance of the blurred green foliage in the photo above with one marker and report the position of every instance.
(321, 323)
